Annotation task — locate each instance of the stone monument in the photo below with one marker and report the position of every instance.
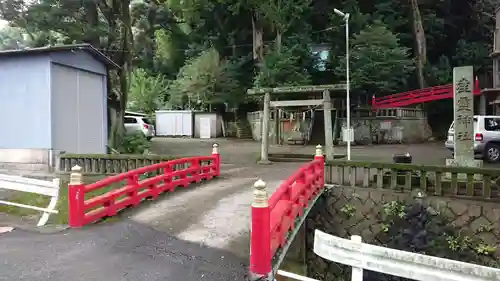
(463, 115)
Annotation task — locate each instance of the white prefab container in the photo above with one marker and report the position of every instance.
(207, 125)
(174, 123)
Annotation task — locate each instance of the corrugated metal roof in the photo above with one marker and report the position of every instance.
(83, 47)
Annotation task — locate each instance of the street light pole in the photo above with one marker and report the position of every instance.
(348, 90)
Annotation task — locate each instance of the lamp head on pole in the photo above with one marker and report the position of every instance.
(342, 14)
(338, 12)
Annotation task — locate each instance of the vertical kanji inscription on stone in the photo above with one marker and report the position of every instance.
(463, 104)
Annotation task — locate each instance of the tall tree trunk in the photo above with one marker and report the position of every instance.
(278, 40)
(123, 57)
(258, 39)
(233, 45)
(420, 42)
(92, 23)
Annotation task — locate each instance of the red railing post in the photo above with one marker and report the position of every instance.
(476, 89)
(76, 192)
(216, 155)
(260, 233)
(321, 159)
(195, 165)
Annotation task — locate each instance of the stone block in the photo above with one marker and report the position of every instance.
(472, 163)
(468, 216)
(462, 222)
(458, 208)
(492, 214)
(362, 194)
(400, 180)
(480, 224)
(461, 187)
(376, 195)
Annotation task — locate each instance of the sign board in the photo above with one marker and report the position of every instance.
(397, 133)
(347, 135)
(385, 125)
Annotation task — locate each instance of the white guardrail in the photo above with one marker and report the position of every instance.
(414, 266)
(41, 187)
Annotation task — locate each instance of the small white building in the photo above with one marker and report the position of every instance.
(188, 123)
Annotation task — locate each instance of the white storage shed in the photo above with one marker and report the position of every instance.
(188, 123)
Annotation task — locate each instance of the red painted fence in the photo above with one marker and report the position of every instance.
(418, 96)
(85, 209)
(272, 218)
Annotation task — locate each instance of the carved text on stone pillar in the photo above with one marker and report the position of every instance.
(463, 112)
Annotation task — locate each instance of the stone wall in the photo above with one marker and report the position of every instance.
(231, 129)
(289, 127)
(389, 130)
(407, 125)
(346, 211)
(393, 125)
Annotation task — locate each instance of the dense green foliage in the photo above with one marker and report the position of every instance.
(204, 54)
(134, 144)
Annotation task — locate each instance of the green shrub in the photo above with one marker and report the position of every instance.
(134, 144)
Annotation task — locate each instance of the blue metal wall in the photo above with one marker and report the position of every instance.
(25, 102)
(78, 59)
(78, 94)
(26, 93)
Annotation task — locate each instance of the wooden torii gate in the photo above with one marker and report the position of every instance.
(327, 109)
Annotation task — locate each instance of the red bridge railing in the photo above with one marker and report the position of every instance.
(418, 96)
(85, 208)
(273, 218)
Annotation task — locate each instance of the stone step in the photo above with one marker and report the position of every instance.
(244, 132)
(244, 136)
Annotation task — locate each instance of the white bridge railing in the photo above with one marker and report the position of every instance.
(414, 266)
(40, 187)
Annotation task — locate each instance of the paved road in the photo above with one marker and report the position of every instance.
(117, 251)
(247, 152)
(200, 233)
(217, 214)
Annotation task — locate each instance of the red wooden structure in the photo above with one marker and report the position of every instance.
(85, 208)
(418, 96)
(272, 218)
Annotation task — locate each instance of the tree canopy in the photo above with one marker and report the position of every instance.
(206, 53)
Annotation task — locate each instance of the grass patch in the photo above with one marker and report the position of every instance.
(43, 201)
